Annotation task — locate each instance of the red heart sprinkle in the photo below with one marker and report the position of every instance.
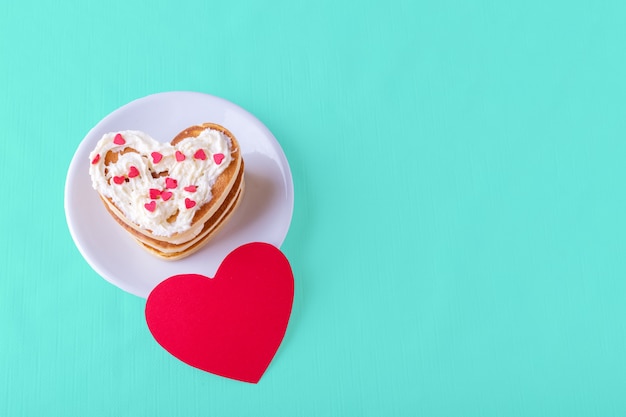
(154, 193)
(170, 183)
(95, 159)
(119, 179)
(166, 195)
(150, 206)
(200, 154)
(180, 156)
(156, 157)
(191, 188)
(133, 172)
(218, 158)
(119, 140)
(189, 203)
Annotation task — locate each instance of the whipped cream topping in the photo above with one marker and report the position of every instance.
(160, 180)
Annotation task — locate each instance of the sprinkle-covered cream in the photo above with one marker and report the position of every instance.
(137, 183)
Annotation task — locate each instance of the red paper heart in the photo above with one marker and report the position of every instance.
(231, 325)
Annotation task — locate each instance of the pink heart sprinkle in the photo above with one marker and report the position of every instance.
(189, 203)
(95, 159)
(191, 188)
(180, 156)
(119, 179)
(166, 195)
(150, 206)
(218, 158)
(133, 172)
(200, 154)
(170, 183)
(156, 157)
(154, 193)
(119, 140)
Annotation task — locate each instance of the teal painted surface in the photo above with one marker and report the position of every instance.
(458, 236)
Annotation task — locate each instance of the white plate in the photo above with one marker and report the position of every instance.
(263, 215)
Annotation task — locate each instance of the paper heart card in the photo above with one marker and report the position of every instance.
(230, 325)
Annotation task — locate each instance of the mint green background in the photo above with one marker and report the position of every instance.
(459, 233)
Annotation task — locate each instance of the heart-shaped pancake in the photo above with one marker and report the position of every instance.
(171, 197)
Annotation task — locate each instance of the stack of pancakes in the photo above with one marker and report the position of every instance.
(208, 219)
